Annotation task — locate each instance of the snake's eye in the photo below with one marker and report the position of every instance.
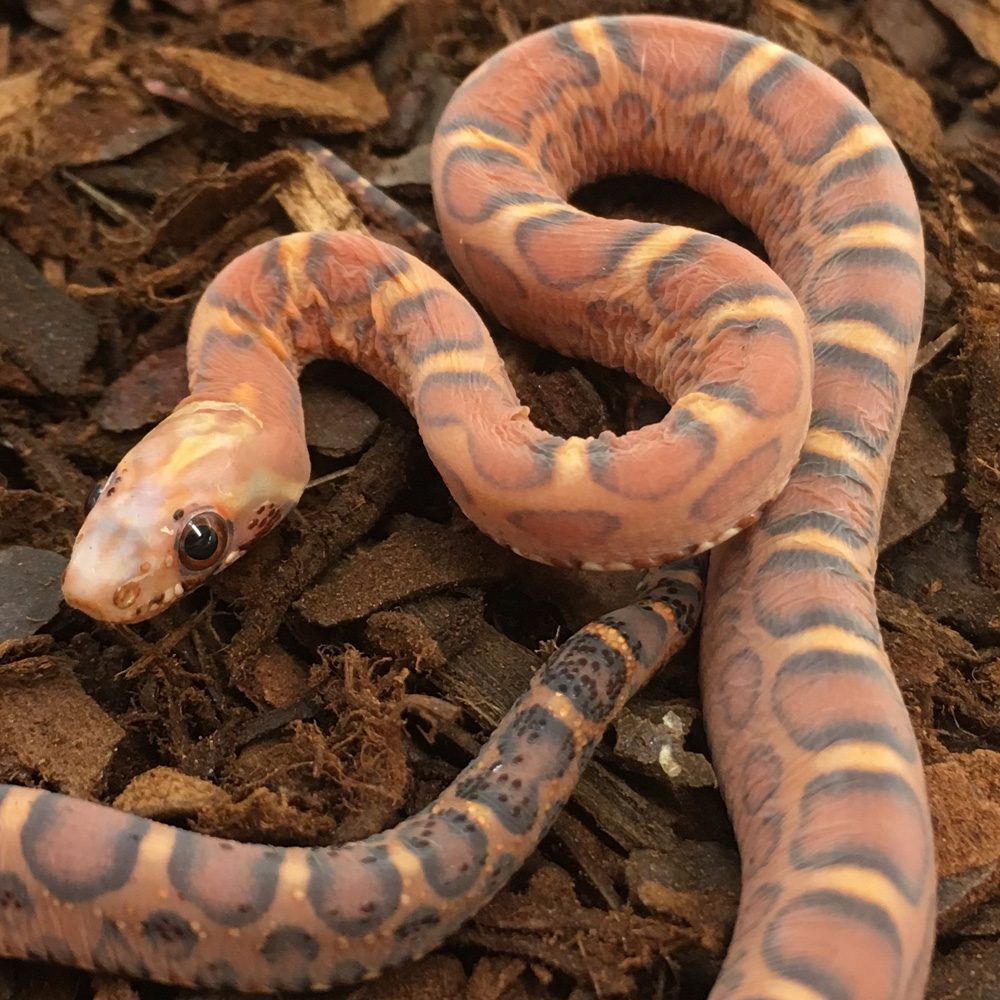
(203, 541)
(94, 495)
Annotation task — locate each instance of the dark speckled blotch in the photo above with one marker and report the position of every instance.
(534, 734)
(592, 677)
(353, 889)
(452, 849)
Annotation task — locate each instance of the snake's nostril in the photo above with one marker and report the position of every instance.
(126, 595)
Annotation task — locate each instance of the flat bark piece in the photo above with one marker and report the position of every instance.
(918, 478)
(43, 330)
(913, 33)
(314, 201)
(338, 29)
(979, 20)
(168, 795)
(965, 801)
(145, 393)
(347, 101)
(904, 109)
(962, 898)
(337, 422)
(971, 971)
(31, 592)
(698, 883)
(418, 559)
(53, 726)
(102, 128)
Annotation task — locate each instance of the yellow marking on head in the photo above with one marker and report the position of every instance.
(206, 430)
(201, 416)
(192, 449)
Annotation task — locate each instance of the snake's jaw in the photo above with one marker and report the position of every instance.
(115, 575)
(182, 505)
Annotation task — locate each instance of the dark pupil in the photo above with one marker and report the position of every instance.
(200, 541)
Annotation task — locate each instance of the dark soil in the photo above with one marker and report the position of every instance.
(342, 673)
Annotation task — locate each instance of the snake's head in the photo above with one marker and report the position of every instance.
(184, 503)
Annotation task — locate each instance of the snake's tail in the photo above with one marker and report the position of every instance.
(171, 905)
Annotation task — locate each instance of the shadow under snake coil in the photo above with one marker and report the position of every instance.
(809, 734)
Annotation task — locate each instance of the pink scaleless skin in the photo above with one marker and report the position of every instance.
(810, 737)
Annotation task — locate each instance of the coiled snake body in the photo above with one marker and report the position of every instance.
(810, 736)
